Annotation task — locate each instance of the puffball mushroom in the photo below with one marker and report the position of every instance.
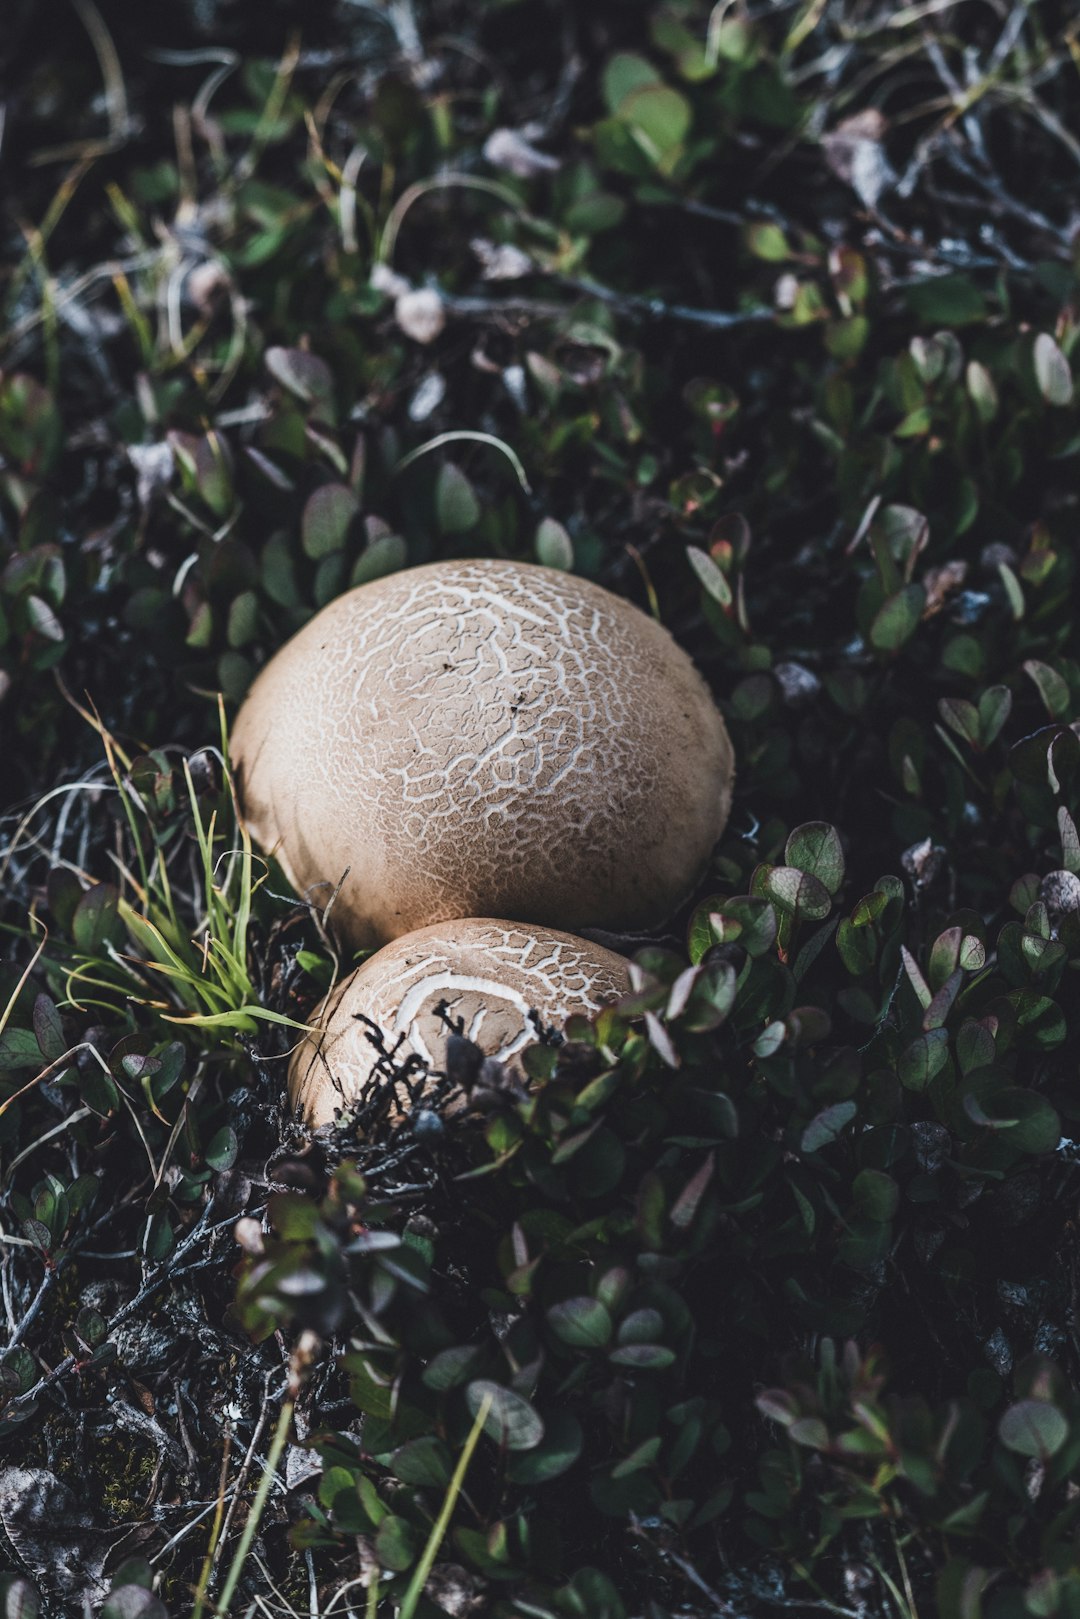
(491, 974)
(484, 738)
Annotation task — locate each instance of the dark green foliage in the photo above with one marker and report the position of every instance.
(765, 317)
(797, 1138)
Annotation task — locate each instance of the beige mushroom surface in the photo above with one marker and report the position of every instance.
(484, 738)
(491, 974)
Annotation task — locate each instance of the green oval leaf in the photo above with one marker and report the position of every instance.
(1033, 1428)
(1053, 689)
(923, 1059)
(876, 1194)
(223, 1148)
(386, 553)
(556, 1454)
(826, 1126)
(748, 918)
(19, 1048)
(798, 893)
(624, 73)
(700, 934)
(897, 619)
(306, 377)
(1024, 1119)
(456, 505)
(980, 386)
(449, 1367)
(946, 300)
(424, 1462)
(995, 706)
(642, 1326)
(962, 717)
(581, 1321)
(96, 921)
(815, 848)
(133, 1602)
(644, 1357)
(660, 119)
(396, 1543)
(328, 513)
(1052, 371)
(511, 1421)
(810, 1431)
(553, 545)
(710, 575)
(766, 241)
(1039, 1020)
(857, 947)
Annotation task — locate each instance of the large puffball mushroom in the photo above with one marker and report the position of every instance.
(484, 738)
(491, 975)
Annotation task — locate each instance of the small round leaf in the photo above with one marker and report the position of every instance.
(1052, 371)
(1033, 1428)
(511, 1421)
(826, 1126)
(324, 526)
(815, 848)
(799, 893)
(581, 1321)
(554, 547)
(456, 504)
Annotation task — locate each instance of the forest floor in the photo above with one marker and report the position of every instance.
(764, 316)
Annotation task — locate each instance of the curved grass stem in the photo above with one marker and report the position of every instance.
(438, 1532)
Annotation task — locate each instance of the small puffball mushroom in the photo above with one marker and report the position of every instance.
(491, 974)
(484, 738)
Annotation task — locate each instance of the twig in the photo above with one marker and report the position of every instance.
(5, 1284)
(57, 1129)
(998, 199)
(258, 1506)
(513, 304)
(167, 1271)
(182, 1534)
(627, 303)
(313, 1588)
(242, 1476)
(48, 1281)
(285, 1605)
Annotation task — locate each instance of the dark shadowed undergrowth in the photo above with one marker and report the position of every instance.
(762, 1298)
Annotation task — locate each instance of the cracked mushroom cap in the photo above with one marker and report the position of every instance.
(484, 738)
(491, 974)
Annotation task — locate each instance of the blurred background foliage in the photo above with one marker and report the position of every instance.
(764, 316)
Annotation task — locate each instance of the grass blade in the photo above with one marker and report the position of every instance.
(442, 1522)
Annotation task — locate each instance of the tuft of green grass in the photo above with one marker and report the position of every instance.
(185, 957)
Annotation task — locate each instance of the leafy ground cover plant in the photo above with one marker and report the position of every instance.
(762, 1297)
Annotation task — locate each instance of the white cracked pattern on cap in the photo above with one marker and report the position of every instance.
(484, 738)
(490, 973)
